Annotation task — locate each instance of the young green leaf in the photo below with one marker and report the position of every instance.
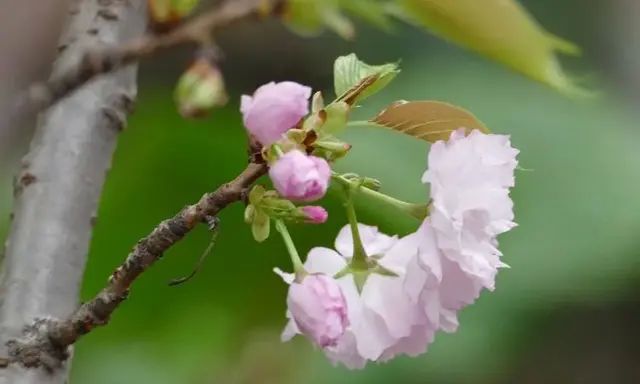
(427, 120)
(355, 80)
(501, 30)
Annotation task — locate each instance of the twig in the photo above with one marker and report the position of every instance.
(48, 339)
(93, 63)
(214, 228)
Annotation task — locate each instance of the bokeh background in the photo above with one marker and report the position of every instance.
(567, 311)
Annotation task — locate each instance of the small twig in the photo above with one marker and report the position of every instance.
(93, 63)
(214, 224)
(48, 340)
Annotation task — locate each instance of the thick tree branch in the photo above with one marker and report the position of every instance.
(61, 180)
(45, 341)
(99, 61)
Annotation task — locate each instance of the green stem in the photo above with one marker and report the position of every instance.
(278, 150)
(298, 267)
(419, 211)
(359, 259)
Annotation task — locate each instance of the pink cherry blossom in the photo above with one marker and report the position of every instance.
(469, 179)
(382, 318)
(273, 109)
(300, 177)
(439, 269)
(315, 214)
(318, 308)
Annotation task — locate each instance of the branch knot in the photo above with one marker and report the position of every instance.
(35, 348)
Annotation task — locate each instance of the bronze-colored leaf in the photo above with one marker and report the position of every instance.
(427, 120)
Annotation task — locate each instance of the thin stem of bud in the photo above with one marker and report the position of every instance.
(359, 259)
(298, 267)
(419, 211)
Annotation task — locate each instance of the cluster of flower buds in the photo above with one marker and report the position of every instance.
(377, 296)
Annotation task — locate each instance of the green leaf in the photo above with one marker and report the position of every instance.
(427, 120)
(501, 30)
(355, 80)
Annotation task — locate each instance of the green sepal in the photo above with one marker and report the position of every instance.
(261, 226)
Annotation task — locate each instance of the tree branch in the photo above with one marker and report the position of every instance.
(45, 341)
(96, 62)
(57, 191)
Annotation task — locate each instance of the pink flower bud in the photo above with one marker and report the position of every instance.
(273, 109)
(315, 214)
(297, 176)
(319, 309)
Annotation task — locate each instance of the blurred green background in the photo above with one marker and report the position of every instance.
(566, 312)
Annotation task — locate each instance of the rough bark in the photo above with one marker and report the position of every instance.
(58, 188)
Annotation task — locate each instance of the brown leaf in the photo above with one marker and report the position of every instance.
(427, 120)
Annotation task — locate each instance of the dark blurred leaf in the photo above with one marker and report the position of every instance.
(372, 11)
(501, 30)
(427, 120)
(310, 17)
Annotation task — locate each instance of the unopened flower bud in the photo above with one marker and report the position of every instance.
(273, 109)
(299, 177)
(314, 214)
(200, 89)
(371, 183)
(319, 309)
(331, 148)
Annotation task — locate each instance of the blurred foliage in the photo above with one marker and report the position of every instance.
(502, 30)
(576, 204)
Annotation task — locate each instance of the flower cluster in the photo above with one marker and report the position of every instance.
(378, 296)
(438, 270)
(274, 110)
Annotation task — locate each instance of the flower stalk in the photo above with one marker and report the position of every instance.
(298, 266)
(359, 261)
(419, 211)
